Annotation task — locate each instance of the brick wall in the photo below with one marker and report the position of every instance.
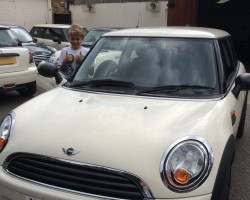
(58, 7)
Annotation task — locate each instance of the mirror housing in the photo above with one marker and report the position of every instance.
(242, 83)
(49, 70)
(56, 39)
(34, 40)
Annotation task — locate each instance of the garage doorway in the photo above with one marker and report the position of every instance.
(182, 12)
(232, 16)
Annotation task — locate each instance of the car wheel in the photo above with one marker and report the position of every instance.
(29, 90)
(242, 120)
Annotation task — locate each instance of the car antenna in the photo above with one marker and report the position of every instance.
(137, 26)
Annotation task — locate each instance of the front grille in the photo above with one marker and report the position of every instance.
(76, 177)
(40, 58)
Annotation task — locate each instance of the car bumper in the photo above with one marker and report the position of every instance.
(18, 78)
(12, 188)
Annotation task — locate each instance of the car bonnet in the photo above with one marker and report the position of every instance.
(128, 133)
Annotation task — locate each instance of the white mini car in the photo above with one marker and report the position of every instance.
(17, 68)
(158, 122)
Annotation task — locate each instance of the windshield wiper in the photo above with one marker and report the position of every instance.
(173, 88)
(103, 82)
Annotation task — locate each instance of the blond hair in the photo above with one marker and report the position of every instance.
(76, 29)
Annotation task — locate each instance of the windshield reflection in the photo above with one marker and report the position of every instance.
(151, 62)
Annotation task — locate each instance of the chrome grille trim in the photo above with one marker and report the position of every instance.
(144, 189)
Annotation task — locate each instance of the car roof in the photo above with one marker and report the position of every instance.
(104, 29)
(10, 26)
(53, 25)
(4, 27)
(175, 32)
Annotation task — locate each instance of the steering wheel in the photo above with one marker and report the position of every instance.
(105, 69)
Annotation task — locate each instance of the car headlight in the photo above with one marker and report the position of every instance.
(186, 164)
(6, 127)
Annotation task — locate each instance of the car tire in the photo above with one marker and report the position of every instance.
(226, 188)
(242, 119)
(29, 91)
(221, 190)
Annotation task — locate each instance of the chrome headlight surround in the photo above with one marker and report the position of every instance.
(6, 128)
(190, 158)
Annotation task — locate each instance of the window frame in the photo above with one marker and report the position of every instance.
(227, 82)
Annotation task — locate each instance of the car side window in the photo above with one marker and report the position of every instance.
(50, 33)
(233, 51)
(37, 32)
(229, 65)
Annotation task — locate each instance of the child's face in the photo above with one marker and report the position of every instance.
(75, 41)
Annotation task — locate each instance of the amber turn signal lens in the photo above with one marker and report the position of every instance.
(182, 176)
(236, 114)
(2, 142)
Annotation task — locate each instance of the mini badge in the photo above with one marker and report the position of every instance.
(70, 151)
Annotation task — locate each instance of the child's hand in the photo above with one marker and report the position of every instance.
(68, 58)
(79, 58)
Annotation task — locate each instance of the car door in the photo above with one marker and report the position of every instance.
(231, 69)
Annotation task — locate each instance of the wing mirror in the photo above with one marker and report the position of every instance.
(56, 39)
(19, 43)
(34, 40)
(49, 70)
(242, 83)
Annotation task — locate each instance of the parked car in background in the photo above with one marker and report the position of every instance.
(54, 35)
(94, 34)
(157, 120)
(17, 68)
(39, 52)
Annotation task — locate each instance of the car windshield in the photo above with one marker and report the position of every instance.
(92, 37)
(21, 34)
(151, 64)
(7, 39)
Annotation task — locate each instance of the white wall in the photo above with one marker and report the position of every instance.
(24, 12)
(119, 15)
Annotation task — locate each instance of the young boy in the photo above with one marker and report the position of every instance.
(73, 55)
